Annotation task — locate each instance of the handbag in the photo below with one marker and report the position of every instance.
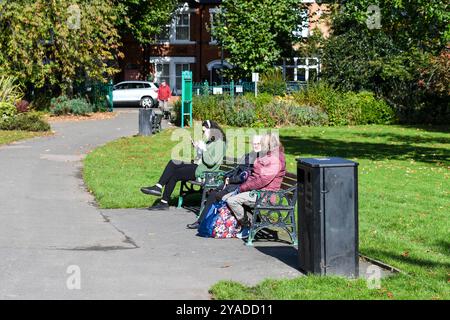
(238, 175)
(226, 225)
(208, 223)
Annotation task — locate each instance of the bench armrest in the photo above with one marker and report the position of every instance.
(213, 179)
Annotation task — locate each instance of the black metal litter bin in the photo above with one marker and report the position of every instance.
(145, 121)
(328, 216)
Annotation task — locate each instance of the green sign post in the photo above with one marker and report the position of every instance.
(110, 96)
(186, 97)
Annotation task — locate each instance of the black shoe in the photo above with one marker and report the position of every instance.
(154, 190)
(194, 225)
(158, 207)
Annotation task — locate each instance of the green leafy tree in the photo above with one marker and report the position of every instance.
(54, 43)
(144, 19)
(374, 42)
(256, 34)
(412, 23)
(389, 47)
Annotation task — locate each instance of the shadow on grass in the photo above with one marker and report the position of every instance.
(383, 254)
(429, 128)
(289, 255)
(363, 150)
(444, 246)
(407, 139)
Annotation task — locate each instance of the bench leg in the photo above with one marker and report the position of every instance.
(202, 204)
(293, 234)
(253, 230)
(180, 197)
(251, 237)
(180, 202)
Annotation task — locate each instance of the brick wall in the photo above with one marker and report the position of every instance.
(135, 67)
(201, 50)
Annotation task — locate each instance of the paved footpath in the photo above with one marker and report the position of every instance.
(48, 223)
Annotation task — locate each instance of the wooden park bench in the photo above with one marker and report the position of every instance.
(272, 209)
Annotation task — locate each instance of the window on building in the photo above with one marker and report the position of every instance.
(212, 18)
(164, 34)
(303, 25)
(179, 68)
(163, 72)
(182, 26)
(170, 69)
(179, 28)
(289, 74)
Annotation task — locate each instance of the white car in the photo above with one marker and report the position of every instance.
(142, 93)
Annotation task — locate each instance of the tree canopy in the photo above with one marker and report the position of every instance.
(412, 23)
(256, 33)
(144, 18)
(394, 48)
(54, 42)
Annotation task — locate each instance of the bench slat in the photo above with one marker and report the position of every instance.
(195, 182)
(291, 175)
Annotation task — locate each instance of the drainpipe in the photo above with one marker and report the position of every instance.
(200, 55)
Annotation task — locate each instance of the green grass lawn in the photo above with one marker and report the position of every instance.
(403, 203)
(11, 136)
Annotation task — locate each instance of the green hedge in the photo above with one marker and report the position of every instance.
(7, 111)
(272, 82)
(29, 121)
(317, 105)
(346, 108)
(263, 111)
(63, 105)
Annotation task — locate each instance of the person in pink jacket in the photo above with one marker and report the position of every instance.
(268, 172)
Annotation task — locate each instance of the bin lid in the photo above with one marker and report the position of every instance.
(323, 162)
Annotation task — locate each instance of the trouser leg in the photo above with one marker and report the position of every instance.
(236, 204)
(214, 196)
(226, 196)
(228, 190)
(170, 170)
(209, 202)
(185, 172)
(163, 106)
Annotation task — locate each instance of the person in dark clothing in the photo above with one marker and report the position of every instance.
(212, 153)
(232, 180)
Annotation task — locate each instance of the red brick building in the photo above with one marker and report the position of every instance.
(186, 44)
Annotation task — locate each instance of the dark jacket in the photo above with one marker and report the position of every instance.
(245, 166)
